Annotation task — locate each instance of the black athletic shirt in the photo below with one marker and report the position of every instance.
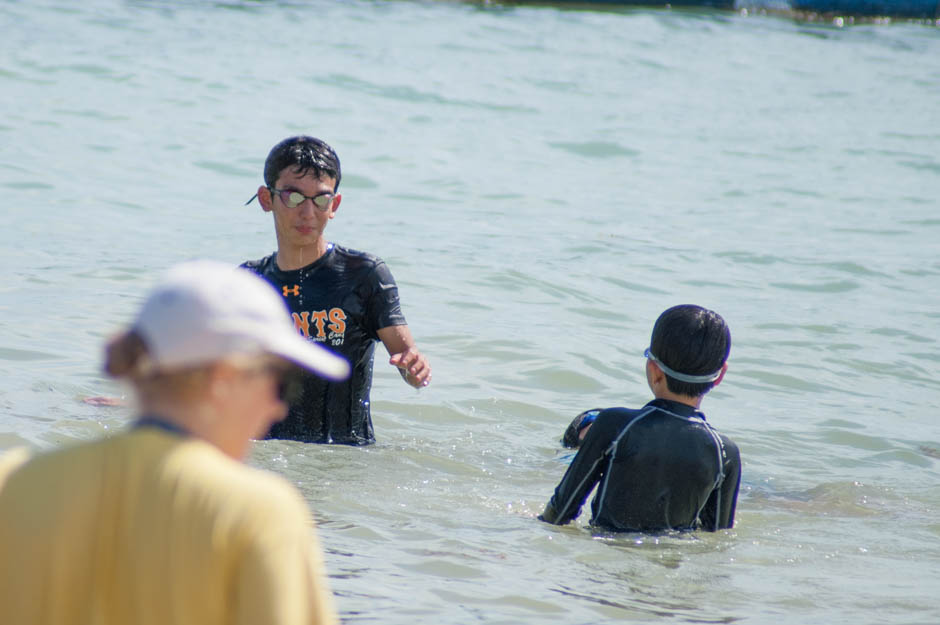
(341, 300)
(657, 469)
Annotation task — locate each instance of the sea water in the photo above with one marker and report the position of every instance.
(543, 181)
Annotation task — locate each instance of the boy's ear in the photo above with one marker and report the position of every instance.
(654, 375)
(265, 199)
(724, 369)
(337, 199)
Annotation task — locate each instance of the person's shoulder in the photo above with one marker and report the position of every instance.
(352, 255)
(239, 484)
(731, 448)
(617, 417)
(725, 439)
(258, 266)
(611, 420)
(727, 443)
(11, 460)
(620, 413)
(365, 263)
(35, 472)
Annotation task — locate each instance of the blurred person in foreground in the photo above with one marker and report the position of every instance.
(164, 523)
(342, 298)
(661, 467)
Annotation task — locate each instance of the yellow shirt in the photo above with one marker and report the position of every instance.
(149, 527)
(11, 460)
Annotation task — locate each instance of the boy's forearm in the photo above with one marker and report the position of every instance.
(550, 515)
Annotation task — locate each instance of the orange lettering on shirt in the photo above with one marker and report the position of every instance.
(338, 319)
(319, 318)
(302, 323)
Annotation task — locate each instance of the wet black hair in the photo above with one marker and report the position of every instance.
(572, 435)
(304, 154)
(692, 340)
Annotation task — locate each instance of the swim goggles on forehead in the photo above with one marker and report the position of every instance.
(682, 377)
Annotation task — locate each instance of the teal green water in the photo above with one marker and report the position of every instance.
(542, 182)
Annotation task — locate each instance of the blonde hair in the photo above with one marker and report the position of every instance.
(127, 357)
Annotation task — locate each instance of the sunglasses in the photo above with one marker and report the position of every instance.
(293, 199)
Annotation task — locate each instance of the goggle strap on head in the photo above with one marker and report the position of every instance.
(682, 377)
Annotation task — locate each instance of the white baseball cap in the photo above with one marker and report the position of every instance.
(202, 311)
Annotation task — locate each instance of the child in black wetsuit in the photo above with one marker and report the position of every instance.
(662, 466)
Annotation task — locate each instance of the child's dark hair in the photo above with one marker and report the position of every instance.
(304, 154)
(572, 436)
(692, 340)
(125, 355)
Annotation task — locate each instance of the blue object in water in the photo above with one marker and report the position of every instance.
(922, 9)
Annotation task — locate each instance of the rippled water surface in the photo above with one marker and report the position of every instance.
(543, 181)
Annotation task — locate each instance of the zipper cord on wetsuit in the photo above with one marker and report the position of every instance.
(611, 452)
(719, 479)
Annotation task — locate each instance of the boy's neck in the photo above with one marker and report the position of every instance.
(688, 400)
(290, 258)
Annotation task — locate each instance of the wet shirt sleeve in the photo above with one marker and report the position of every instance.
(382, 306)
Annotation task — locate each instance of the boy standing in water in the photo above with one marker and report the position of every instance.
(344, 299)
(663, 466)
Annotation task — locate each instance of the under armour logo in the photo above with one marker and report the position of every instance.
(294, 291)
